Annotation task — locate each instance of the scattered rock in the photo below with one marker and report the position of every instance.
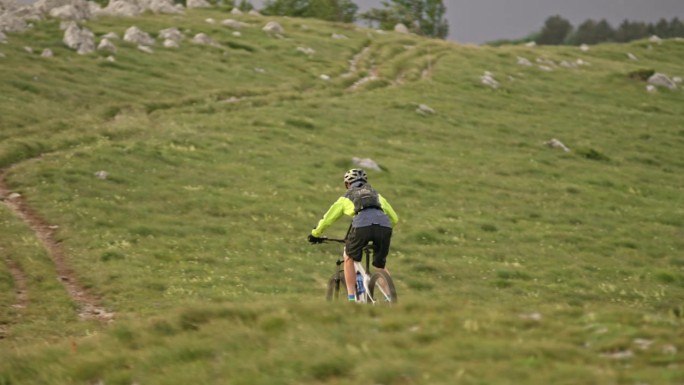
(339, 36)
(74, 10)
(28, 50)
(584, 48)
(137, 36)
(234, 24)
(655, 39)
(111, 36)
(555, 143)
(101, 174)
(203, 39)
(3, 37)
(620, 355)
(145, 49)
(13, 196)
(401, 28)
(210, 21)
(306, 50)
(259, 70)
(424, 109)
(662, 80)
(198, 4)
(47, 52)
(168, 43)
(531, 44)
(581, 62)
(325, 77)
(80, 39)
(106, 45)
(631, 56)
(171, 34)
(532, 317)
(236, 33)
(669, 349)
(2, 55)
(366, 163)
(677, 79)
(236, 11)
(568, 64)
(110, 59)
(545, 68)
(651, 88)
(524, 62)
(488, 80)
(642, 343)
(273, 27)
(120, 8)
(254, 12)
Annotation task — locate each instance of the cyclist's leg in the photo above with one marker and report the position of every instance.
(382, 237)
(357, 239)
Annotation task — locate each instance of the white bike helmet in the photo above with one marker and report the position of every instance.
(355, 174)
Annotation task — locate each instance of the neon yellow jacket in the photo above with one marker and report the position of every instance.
(345, 206)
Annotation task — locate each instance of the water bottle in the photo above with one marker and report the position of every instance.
(359, 283)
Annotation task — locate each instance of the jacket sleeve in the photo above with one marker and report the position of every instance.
(387, 208)
(342, 206)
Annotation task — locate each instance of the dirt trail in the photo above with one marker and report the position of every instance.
(89, 307)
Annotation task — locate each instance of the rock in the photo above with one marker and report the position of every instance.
(662, 80)
(424, 109)
(584, 48)
(168, 43)
(546, 68)
(137, 36)
(11, 23)
(401, 28)
(161, 6)
(145, 49)
(555, 143)
(101, 174)
(631, 56)
(236, 11)
(28, 50)
(254, 12)
(273, 27)
(121, 8)
(339, 36)
(2, 55)
(651, 88)
(75, 10)
(568, 64)
(210, 21)
(325, 77)
(306, 50)
(198, 4)
(234, 24)
(620, 355)
(110, 59)
(581, 62)
(488, 80)
(531, 44)
(173, 34)
(13, 196)
(3, 37)
(366, 163)
(655, 39)
(236, 33)
(106, 45)
(203, 39)
(259, 70)
(47, 52)
(111, 36)
(81, 40)
(524, 62)
(677, 79)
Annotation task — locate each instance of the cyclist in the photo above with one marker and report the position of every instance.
(373, 219)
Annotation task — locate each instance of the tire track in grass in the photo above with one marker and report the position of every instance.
(89, 304)
(20, 288)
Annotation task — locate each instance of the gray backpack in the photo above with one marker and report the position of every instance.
(364, 197)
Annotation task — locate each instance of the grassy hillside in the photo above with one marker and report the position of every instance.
(514, 262)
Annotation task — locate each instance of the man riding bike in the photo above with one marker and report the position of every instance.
(373, 219)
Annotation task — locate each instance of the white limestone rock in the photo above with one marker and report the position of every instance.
(137, 36)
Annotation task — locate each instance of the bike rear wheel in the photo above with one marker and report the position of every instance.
(382, 289)
(337, 288)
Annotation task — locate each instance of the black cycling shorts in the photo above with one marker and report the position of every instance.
(359, 237)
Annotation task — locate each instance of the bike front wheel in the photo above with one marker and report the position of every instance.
(337, 288)
(381, 288)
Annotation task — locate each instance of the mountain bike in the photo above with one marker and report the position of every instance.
(376, 289)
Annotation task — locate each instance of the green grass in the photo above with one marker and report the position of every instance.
(514, 263)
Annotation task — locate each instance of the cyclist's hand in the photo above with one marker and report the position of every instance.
(314, 240)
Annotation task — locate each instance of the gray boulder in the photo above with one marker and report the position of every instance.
(273, 27)
(137, 36)
(80, 39)
(47, 52)
(106, 45)
(198, 4)
(662, 80)
(401, 28)
(173, 34)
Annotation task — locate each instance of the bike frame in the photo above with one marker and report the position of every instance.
(358, 267)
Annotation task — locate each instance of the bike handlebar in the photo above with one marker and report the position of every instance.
(333, 240)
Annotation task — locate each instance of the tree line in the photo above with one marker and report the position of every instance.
(422, 17)
(559, 31)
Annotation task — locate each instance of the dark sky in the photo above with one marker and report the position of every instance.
(479, 21)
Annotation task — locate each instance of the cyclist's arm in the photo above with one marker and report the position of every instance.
(340, 207)
(387, 208)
